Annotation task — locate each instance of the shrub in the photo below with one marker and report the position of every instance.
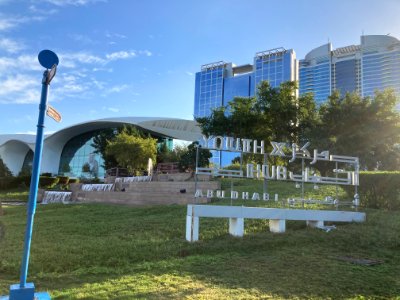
(86, 168)
(63, 180)
(73, 180)
(379, 190)
(47, 174)
(89, 180)
(236, 167)
(8, 183)
(47, 182)
(23, 180)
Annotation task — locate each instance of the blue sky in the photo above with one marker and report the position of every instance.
(138, 58)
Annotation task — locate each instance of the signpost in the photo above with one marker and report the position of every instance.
(24, 290)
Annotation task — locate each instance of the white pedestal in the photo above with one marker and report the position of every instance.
(277, 226)
(192, 228)
(315, 224)
(236, 226)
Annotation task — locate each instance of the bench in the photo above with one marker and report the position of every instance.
(277, 217)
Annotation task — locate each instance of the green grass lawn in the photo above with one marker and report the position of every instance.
(120, 252)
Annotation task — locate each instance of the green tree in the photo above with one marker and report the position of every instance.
(132, 152)
(86, 168)
(66, 168)
(163, 153)
(274, 115)
(368, 128)
(4, 170)
(188, 158)
(107, 135)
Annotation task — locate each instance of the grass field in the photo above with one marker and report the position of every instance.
(119, 252)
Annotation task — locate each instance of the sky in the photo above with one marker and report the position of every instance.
(138, 58)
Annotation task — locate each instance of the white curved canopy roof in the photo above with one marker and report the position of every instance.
(53, 144)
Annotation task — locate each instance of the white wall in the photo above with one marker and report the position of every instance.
(13, 154)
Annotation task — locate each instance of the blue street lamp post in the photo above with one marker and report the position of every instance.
(24, 290)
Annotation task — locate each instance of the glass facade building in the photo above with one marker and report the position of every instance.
(380, 64)
(372, 65)
(78, 158)
(276, 66)
(209, 85)
(218, 83)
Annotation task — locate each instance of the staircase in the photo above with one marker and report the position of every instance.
(150, 193)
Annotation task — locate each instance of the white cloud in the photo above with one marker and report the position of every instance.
(115, 35)
(36, 10)
(109, 70)
(8, 22)
(189, 73)
(20, 76)
(82, 39)
(145, 52)
(74, 60)
(120, 55)
(118, 88)
(19, 89)
(72, 2)
(27, 132)
(20, 63)
(11, 46)
(113, 109)
(70, 60)
(47, 132)
(99, 84)
(16, 83)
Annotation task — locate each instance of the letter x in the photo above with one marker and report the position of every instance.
(277, 149)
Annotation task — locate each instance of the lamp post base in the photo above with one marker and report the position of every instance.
(25, 293)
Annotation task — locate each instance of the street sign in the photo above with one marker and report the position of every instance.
(53, 113)
(48, 59)
(51, 73)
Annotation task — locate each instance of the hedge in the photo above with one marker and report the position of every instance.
(25, 179)
(8, 183)
(379, 189)
(44, 181)
(63, 180)
(73, 180)
(47, 182)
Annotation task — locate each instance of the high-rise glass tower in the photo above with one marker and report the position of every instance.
(380, 64)
(218, 83)
(372, 65)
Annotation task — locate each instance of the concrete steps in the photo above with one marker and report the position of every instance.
(133, 198)
(168, 187)
(148, 193)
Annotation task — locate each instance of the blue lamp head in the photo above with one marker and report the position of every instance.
(48, 59)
